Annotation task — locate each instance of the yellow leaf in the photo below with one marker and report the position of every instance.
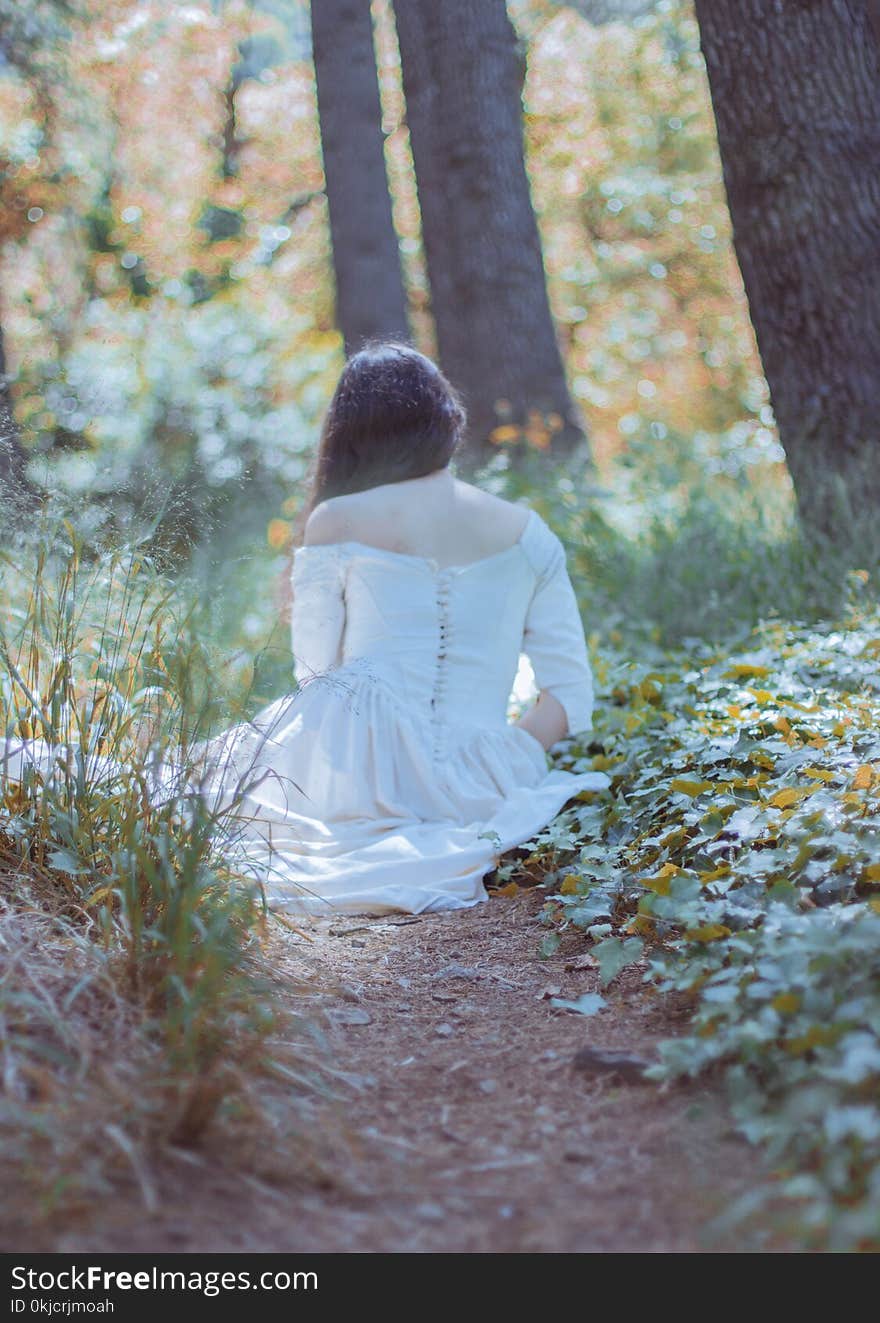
(659, 883)
(709, 932)
(692, 788)
(786, 1003)
(570, 885)
(740, 669)
(101, 894)
(875, 904)
(763, 760)
(762, 695)
(863, 777)
(734, 710)
(278, 534)
(537, 436)
(818, 1036)
(641, 924)
(872, 873)
(721, 871)
(790, 795)
(507, 432)
(510, 890)
(818, 773)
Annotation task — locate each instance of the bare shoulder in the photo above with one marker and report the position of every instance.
(416, 516)
(329, 522)
(507, 518)
(355, 515)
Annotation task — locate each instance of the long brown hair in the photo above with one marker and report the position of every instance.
(393, 416)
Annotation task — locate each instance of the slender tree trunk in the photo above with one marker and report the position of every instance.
(462, 78)
(13, 456)
(370, 299)
(796, 91)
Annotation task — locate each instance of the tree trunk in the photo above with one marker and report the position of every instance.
(796, 92)
(462, 78)
(370, 299)
(13, 456)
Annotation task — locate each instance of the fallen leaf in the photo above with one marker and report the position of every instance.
(350, 1015)
(589, 1004)
(512, 889)
(709, 932)
(597, 1061)
(585, 961)
(786, 1003)
(692, 788)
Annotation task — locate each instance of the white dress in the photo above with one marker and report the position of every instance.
(392, 778)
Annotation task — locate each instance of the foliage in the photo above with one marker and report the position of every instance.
(735, 859)
(641, 273)
(120, 287)
(683, 543)
(200, 429)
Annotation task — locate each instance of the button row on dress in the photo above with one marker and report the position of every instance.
(442, 653)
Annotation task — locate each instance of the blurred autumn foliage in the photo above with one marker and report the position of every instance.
(167, 277)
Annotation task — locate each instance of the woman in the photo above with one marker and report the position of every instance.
(392, 780)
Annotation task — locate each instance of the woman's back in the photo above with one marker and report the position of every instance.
(444, 641)
(394, 781)
(442, 633)
(437, 517)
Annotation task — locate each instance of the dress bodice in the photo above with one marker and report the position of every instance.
(446, 640)
(390, 779)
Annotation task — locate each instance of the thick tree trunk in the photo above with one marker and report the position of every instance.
(796, 91)
(462, 78)
(370, 299)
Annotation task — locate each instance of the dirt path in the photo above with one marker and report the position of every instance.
(461, 1122)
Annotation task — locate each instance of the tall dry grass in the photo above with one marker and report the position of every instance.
(137, 1007)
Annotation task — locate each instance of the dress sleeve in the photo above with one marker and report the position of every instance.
(553, 636)
(317, 618)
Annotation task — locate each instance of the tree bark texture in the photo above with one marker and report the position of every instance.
(370, 298)
(462, 79)
(13, 457)
(796, 92)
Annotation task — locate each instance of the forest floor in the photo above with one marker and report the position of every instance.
(458, 1119)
